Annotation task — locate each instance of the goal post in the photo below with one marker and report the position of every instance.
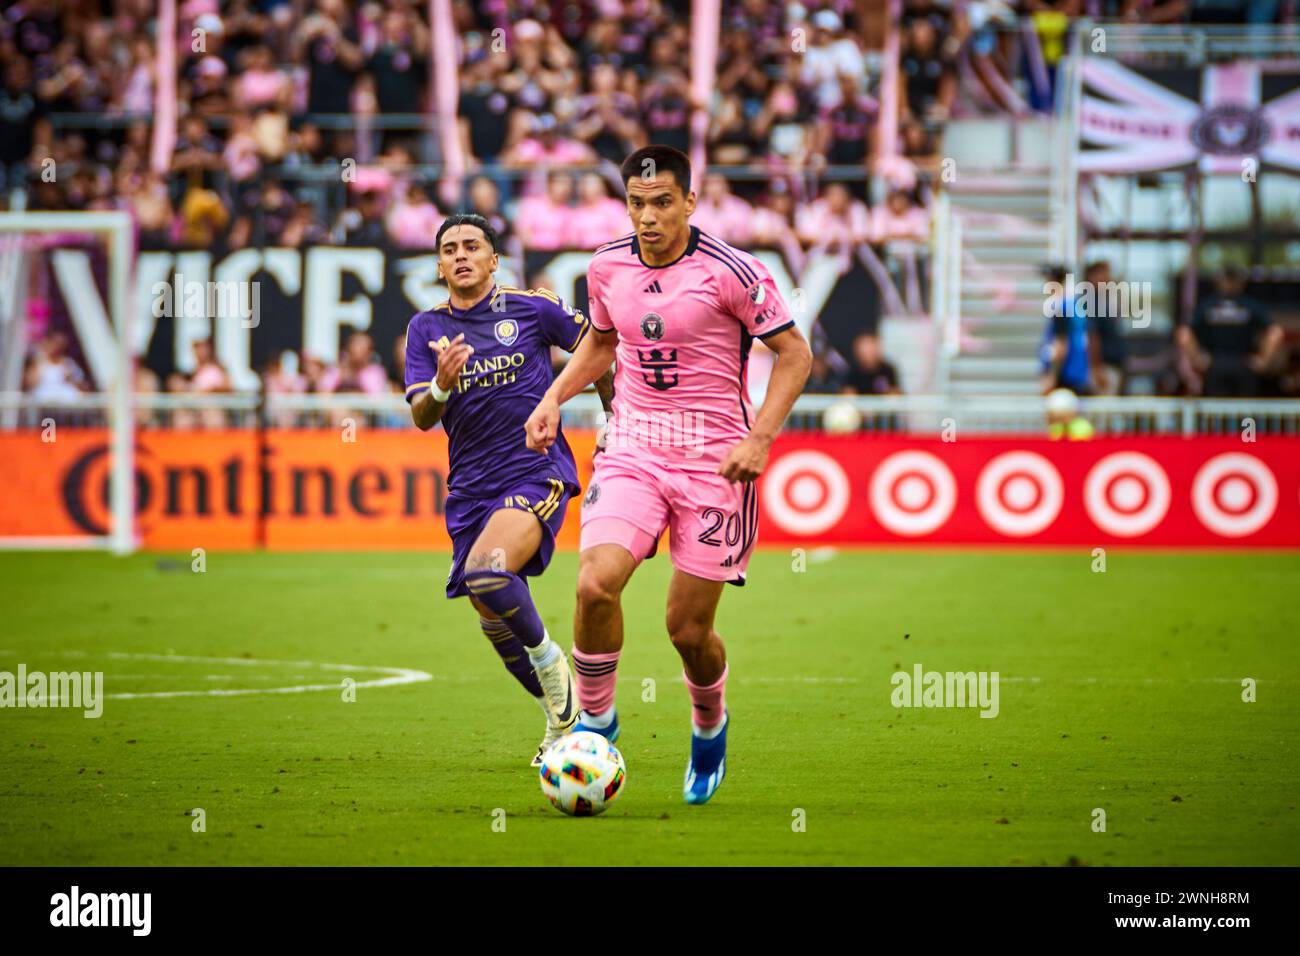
(115, 230)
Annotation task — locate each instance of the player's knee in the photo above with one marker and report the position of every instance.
(687, 631)
(483, 610)
(595, 590)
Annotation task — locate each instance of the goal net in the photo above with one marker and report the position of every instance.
(67, 428)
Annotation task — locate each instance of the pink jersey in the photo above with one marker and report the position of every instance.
(684, 332)
(415, 226)
(913, 223)
(594, 224)
(732, 219)
(818, 223)
(562, 152)
(542, 224)
(258, 87)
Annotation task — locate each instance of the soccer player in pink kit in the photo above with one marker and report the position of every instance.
(678, 310)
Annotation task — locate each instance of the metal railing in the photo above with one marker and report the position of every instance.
(1193, 44)
(936, 415)
(945, 298)
(432, 170)
(1065, 171)
(919, 415)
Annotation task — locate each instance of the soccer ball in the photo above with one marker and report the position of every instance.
(582, 774)
(842, 418)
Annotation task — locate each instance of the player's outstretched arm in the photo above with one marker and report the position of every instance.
(592, 360)
(426, 411)
(605, 389)
(427, 408)
(747, 460)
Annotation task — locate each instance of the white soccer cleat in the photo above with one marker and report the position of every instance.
(553, 733)
(562, 708)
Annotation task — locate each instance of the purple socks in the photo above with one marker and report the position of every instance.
(507, 595)
(513, 654)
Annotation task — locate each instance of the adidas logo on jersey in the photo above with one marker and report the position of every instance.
(653, 287)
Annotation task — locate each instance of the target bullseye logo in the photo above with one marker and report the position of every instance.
(912, 493)
(1234, 494)
(806, 492)
(1126, 494)
(1019, 493)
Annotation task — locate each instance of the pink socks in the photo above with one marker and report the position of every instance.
(707, 705)
(595, 675)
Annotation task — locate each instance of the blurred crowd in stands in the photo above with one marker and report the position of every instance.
(305, 122)
(274, 97)
(1231, 346)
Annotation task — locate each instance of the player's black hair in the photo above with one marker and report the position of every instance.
(660, 159)
(1053, 272)
(467, 219)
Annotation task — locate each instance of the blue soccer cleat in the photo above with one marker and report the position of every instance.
(708, 765)
(610, 733)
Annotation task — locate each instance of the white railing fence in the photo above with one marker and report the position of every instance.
(909, 414)
(945, 287)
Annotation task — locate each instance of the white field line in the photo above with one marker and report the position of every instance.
(394, 675)
(401, 675)
(211, 677)
(487, 679)
(1017, 680)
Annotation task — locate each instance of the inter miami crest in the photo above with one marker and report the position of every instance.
(507, 330)
(1231, 130)
(592, 494)
(652, 326)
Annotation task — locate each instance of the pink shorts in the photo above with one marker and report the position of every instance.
(634, 497)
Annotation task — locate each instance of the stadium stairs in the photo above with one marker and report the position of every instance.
(1004, 204)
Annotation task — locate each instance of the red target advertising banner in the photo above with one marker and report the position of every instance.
(308, 490)
(1205, 492)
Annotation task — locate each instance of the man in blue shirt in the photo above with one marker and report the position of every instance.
(1065, 354)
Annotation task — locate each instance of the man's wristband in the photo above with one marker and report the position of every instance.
(438, 394)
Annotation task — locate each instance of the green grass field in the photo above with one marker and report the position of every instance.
(1120, 690)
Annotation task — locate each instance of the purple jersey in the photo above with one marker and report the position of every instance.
(512, 332)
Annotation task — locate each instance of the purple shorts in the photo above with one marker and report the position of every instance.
(466, 517)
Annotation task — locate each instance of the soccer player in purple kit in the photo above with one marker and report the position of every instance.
(479, 363)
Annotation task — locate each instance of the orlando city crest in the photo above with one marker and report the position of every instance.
(507, 330)
(652, 326)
